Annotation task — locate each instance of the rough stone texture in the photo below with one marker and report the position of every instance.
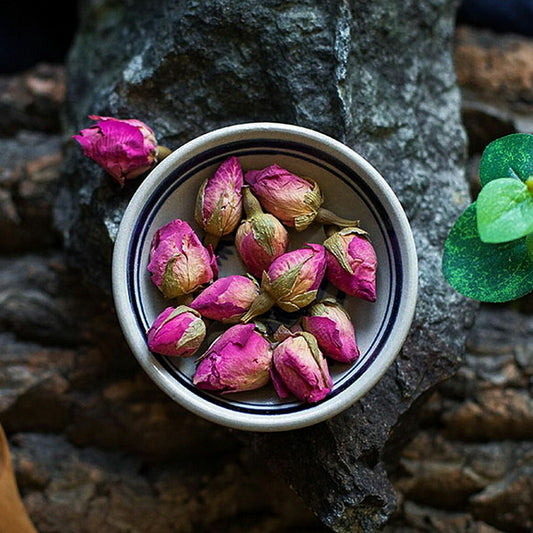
(471, 463)
(496, 66)
(32, 100)
(29, 165)
(74, 490)
(495, 72)
(378, 76)
(476, 435)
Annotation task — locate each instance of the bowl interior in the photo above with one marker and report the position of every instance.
(350, 190)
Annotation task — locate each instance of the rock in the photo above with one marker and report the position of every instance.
(29, 170)
(443, 485)
(422, 518)
(86, 425)
(506, 504)
(96, 393)
(495, 401)
(34, 302)
(495, 66)
(32, 101)
(72, 489)
(484, 123)
(378, 76)
(493, 414)
(27, 367)
(494, 71)
(448, 474)
(487, 461)
(472, 459)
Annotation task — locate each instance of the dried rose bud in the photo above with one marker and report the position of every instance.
(333, 329)
(298, 367)
(292, 199)
(179, 262)
(352, 263)
(177, 332)
(227, 299)
(260, 238)
(123, 148)
(239, 360)
(219, 201)
(291, 282)
(295, 200)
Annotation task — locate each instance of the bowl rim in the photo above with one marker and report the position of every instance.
(219, 414)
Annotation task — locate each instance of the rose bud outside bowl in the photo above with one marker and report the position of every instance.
(351, 186)
(125, 149)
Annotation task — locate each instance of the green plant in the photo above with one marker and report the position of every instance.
(488, 255)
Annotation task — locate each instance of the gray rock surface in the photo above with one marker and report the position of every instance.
(469, 466)
(376, 75)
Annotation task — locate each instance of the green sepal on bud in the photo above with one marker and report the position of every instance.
(336, 245)
(261, 237)
(282, 290)
(218, 207)
(312, 201)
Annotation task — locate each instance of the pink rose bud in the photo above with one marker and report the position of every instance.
(333, 329)
(123, 148)
(177, 332)
(295, 200)
(292, 199)
(179, 262)
(291, 282)
(352, 263)
(219, 201)
(227, 299)
(239, 360)
(298, 367)
(260, 238)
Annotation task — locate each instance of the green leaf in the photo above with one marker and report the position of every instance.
(529, 245)
(507, 157)
(504, 210)
(482, 271)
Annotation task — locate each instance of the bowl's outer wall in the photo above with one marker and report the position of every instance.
(405, 267)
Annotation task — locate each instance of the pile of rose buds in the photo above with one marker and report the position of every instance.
(257, 208)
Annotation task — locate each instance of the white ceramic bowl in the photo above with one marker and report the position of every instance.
(352, 188)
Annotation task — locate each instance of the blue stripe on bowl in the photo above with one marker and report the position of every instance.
(348, 175)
